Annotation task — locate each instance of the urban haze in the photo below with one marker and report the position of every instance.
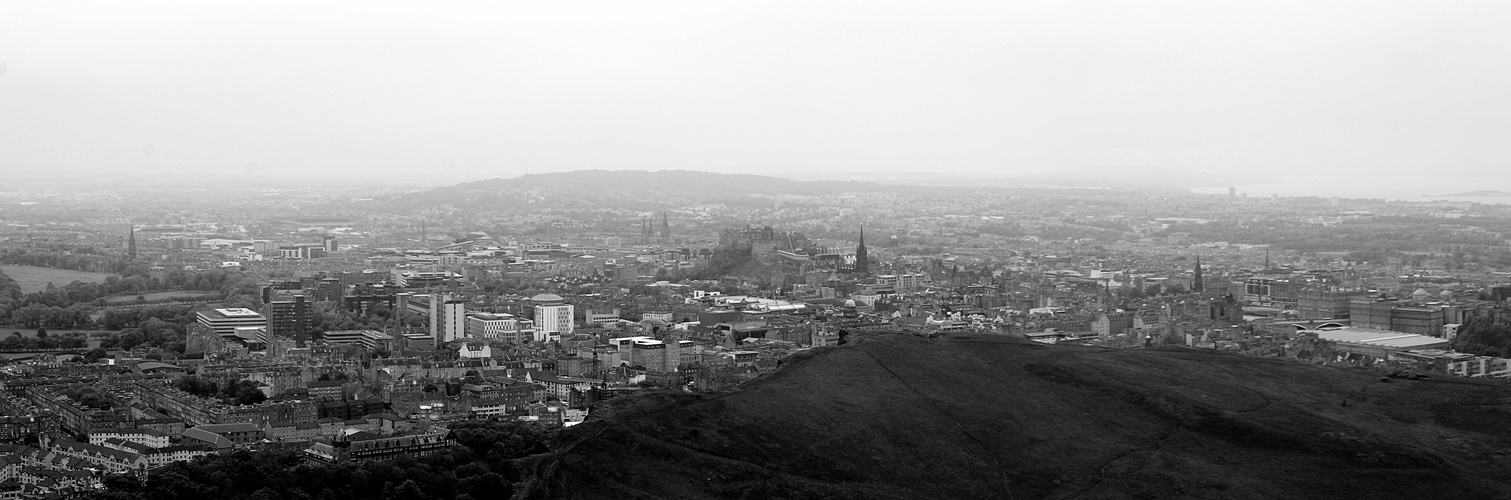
(774, 250)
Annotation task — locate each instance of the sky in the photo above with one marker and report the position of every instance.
(436, 94)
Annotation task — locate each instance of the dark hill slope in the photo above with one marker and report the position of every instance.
(896, 416)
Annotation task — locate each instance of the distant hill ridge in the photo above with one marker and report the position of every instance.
(685, 185)
(1484, 193)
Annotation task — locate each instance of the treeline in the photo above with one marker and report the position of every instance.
(152, 332)
(10, 295)
(18, 342)
(40, 316)
(72, 257)
(119, 319)
(481, 465)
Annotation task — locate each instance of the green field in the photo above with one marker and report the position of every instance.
(35, 279)
(163, 295)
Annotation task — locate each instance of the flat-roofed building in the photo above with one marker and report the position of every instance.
(1394, 315)
(225, 321)
(363, 446)
(601, 317)
(1378, 343)
(146, 437)
(369, 339)
(1320, 302)
(907, 281)
(492, 326)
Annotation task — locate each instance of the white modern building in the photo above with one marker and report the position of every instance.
(453, 324)
(499, 327)
(553, 317)
(225, 321)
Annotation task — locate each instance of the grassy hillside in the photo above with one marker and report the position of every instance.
(35, 279)
(897, 416)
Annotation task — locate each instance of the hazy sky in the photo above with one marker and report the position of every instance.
(418, 92)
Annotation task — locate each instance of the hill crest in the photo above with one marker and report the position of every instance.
(895, 416)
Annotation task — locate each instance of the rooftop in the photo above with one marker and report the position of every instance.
(237, 312)
(1382, 338)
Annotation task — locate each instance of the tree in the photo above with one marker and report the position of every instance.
(406, 490)
(94, 355)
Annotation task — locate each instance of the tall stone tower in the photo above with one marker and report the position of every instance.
(862, 261)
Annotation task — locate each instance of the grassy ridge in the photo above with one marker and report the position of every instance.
(896, 416)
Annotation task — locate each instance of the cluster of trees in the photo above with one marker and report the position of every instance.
(40, 316)
(724, 261)
(241, 392)
(481, 465)
(16, 341)
(1485, 337)
(88, 395)
(154, 332)
(10, 295)
(119, 319)
(331, 317)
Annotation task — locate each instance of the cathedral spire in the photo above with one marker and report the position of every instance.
(862, 264)
(1197, 284)
(131, 242)
(666, 229)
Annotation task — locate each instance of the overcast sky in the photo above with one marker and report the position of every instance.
(419, 92)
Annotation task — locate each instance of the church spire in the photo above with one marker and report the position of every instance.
(862, 264)
(666, 229)
(131, 242)
(1197, 284)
